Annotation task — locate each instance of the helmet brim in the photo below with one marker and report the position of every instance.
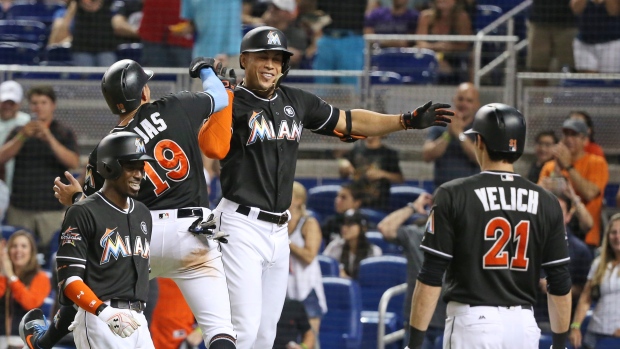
(137, 157)
(149, 72)
(269, 49)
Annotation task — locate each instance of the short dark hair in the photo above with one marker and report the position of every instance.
(547, 133)
(356, 188)
(45, 90)
(567, 201)
(588, 119)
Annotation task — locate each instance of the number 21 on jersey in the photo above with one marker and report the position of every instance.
(173, 160)
(499, 230)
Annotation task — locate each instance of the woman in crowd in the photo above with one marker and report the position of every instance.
(352, 246)
(304, 281)
(350, 196)
(22, 285)
(603, 286)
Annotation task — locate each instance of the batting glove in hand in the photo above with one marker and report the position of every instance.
(227, 76)
(198, 64)
(122, 323)
(208, 228)
(427, 115)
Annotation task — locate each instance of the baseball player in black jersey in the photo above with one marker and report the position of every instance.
(493, 232)
(102, 235)
(258, 170)
(174, 190)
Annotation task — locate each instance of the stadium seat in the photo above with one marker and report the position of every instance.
(385, 78)
(315, 215)
(485, 15)
(589, 83)
(129, 51)
(19, 53)
(608, 343)
(23, 31)
(329, 266)
(48, 305)
(341, 327)
(387, 248)
(34, 10)
(8, 230)
(545, 341)
(370, 321)
(610, 194)
(321, 199)
(438, 343)
(374, 216)
(59, 53)
(401, 195)
(415, 65)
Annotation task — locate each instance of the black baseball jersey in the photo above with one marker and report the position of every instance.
(169, 128)
(108, 247)
(497, 229)
(260, 166)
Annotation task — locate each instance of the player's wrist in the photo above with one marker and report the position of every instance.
(558, 340)
(575, 326)
(416, 338)
(104, 312)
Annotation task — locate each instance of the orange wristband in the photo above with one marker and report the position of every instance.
(83, 296)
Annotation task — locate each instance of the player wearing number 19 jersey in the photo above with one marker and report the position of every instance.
(174, 190)
(493, 232)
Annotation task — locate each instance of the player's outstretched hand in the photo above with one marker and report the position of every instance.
(64, 192)
(428, 115)
(207, 228)
(200, 63)
(227, 76)
(121, 322)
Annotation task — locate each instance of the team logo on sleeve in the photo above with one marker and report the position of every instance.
(69, 236)
(273, 38)
(430, 223)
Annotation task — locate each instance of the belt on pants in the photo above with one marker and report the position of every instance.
(138, 306)
(189, 212)
(524, 306)
(265, 216)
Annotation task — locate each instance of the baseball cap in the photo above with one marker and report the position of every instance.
(575, 125)
(352, 216)
(11, 91)
(286, 5)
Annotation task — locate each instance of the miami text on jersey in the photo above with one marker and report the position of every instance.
(263, 129)
(114, 245)
(520, 199)
(147, 129)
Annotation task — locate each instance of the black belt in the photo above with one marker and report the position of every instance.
(189, 212)
(264, 216)
(525, 306)
(138, 306)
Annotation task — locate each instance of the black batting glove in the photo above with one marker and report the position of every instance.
(426, 116)
(208, 228)
(198, 64)
(227, 76)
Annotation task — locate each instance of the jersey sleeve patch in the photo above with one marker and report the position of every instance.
(70, 236)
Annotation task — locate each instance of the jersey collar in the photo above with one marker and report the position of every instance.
(131, 203)
(275, 95)
(500, 173)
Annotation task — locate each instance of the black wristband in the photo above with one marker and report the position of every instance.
(77, 197)
(559, 340)
(416, 338)
(100, 308)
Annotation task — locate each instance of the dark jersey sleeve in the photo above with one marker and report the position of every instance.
(320, 117)
(555, 250)
(439, 232)
(198, 106)
(77, 229)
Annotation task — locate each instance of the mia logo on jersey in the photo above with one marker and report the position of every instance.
(261, 128)
(69, 236)
(115, 245)
(273, 38)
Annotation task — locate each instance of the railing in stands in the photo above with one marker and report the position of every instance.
(382, 338)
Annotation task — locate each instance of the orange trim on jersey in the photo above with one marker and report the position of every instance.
(83, 296)
(215, 135)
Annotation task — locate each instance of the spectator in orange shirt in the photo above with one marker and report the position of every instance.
(591, 146)
(22, 285)
(173, 321)
(587, 173)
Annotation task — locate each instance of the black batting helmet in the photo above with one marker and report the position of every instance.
(116, 147)
(265, 38)
(122, 85)
(502, 127)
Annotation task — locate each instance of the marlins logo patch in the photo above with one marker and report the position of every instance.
(273, 38)
(512, 145)
(430, 223)
(69, 237)
(140, 145)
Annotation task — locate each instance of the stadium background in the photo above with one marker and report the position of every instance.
(81, 106)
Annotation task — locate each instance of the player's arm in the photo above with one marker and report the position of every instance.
(214, 135)
(204, 67)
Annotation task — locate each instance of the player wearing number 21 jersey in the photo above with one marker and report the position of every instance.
(492, 233)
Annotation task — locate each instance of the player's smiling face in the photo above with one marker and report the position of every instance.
(129, 182)
(261, 69)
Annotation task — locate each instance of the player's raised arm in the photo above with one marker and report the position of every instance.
(368, 123)
(215, 134)
(203, 67)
